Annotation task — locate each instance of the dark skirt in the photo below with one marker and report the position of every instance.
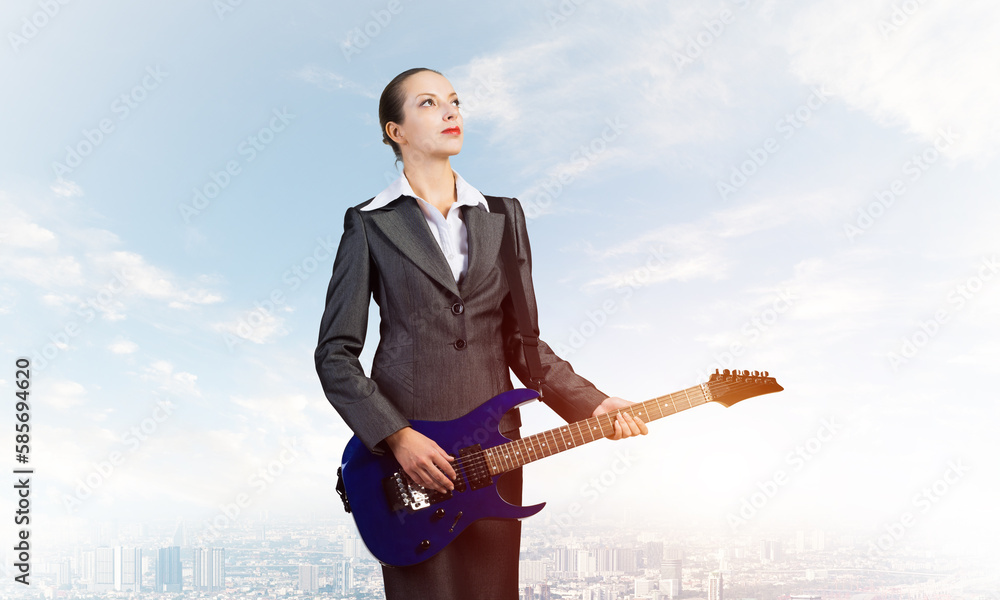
(480, 564)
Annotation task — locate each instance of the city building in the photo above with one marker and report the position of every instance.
(308, 578)
(715, 586)
(209, 569)
(169, 570)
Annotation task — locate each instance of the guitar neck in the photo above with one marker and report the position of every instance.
(510, 456)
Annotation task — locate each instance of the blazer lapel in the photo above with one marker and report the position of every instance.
(485, 233)
(405, 225)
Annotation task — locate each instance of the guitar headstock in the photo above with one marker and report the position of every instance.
(729, 387)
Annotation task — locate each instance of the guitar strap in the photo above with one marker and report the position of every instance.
(529, 333)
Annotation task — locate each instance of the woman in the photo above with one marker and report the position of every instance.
(427, 249)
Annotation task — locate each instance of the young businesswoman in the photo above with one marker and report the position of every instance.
(427, 249)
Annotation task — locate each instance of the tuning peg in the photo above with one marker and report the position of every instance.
(765, 373)
(725, 372)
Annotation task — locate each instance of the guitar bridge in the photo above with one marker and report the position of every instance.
(405, 494)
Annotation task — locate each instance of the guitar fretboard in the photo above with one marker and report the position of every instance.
(509, 456)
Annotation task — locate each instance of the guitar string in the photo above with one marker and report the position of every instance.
(481, 468)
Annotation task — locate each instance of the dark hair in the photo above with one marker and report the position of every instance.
(390, 105)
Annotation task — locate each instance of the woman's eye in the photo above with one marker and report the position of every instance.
(456, 102)
(431, 100)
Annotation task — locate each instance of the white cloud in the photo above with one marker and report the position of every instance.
(143, 279)
(64, 394)
(180, 383)
(327, 79)
(123, 346)
(84, 259)
(929, 70)
(17, 231)
(46, 272)
(256, 325)
(65, 188)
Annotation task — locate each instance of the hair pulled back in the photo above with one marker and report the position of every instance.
(390, 105)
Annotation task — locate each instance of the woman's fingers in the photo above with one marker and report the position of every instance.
(626, 425)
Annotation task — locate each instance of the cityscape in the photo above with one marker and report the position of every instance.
(325, 559)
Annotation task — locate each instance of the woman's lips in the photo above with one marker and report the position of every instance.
(452, 131)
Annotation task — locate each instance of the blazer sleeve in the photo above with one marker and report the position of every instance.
(567, 393)
(357, 398)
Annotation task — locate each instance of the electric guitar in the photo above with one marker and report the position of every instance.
(402, 523)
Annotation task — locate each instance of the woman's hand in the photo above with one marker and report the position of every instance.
(625, 425)
(422, 459)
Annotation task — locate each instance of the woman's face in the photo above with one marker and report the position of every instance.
(432, 126)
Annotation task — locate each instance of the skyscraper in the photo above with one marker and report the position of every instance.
(565, 560)
(128, 569)
(670, 576)
(210, 569)
(770, 551)
(104, 569)
(308, 578)
(715, 586)
(345, 576)
(169, 571)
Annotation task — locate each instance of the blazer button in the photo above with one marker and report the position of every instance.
(457, 308)
(460, 344)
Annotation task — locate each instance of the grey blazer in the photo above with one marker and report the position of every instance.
(444, 348)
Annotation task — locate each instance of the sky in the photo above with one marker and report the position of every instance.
(803, 188)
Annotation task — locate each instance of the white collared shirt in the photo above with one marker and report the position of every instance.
(449, 232)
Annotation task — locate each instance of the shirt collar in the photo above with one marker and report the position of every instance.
(467, 195)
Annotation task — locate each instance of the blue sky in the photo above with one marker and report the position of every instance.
(804, 188)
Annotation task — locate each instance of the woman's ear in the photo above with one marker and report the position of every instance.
(395, 132)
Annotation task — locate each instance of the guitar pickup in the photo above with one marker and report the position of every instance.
(473, 462)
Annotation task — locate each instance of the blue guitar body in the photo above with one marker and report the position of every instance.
(403, 524)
